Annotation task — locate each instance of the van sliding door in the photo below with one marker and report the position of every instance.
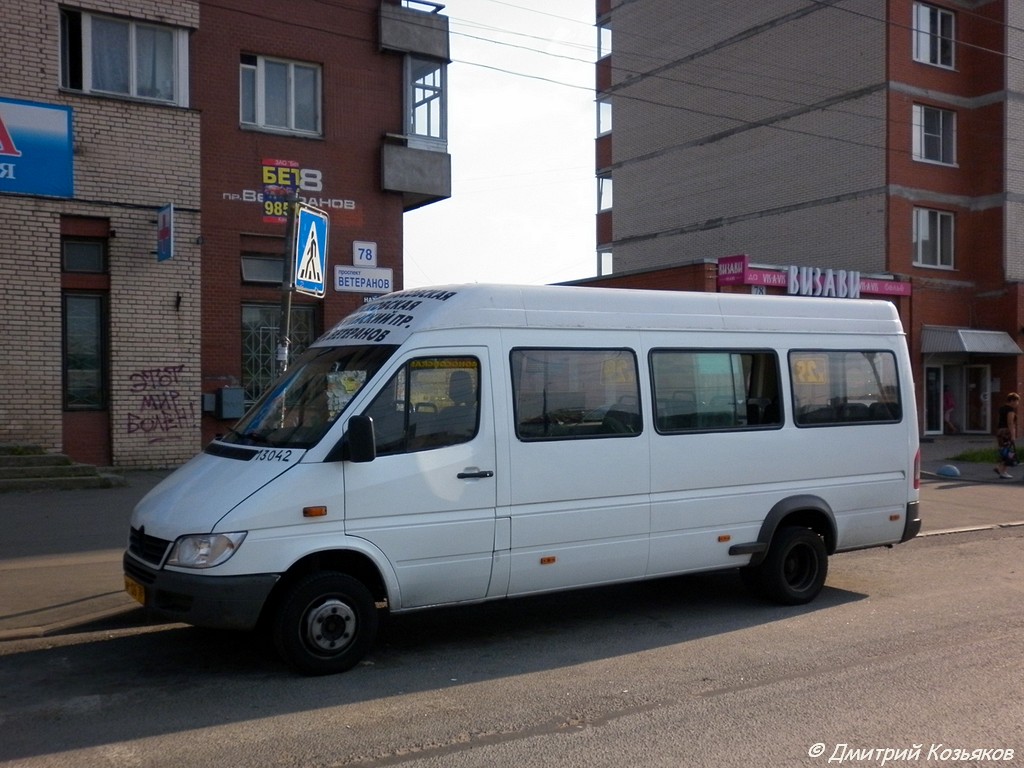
(580, 476)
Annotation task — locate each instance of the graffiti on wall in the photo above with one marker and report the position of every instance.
(161, 411)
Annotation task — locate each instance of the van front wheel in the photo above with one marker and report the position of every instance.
(326, 623)
(794, 570)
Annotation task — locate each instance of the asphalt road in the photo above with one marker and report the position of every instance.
(917, 645)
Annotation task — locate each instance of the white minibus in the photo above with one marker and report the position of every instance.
(469, 443)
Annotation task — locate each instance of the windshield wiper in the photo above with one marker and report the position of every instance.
(254, 438)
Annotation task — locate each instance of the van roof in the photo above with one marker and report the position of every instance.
(393, 318)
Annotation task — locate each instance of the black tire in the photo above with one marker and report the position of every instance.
(325, 624)
(794, 570)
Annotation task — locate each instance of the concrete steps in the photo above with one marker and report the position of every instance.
(29, 468)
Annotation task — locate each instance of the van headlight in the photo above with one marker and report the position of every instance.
(205, 550)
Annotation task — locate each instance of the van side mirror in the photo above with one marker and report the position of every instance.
(361, 440)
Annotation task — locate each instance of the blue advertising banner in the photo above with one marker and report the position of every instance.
(35, 149)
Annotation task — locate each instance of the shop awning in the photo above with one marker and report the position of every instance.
(938, 339)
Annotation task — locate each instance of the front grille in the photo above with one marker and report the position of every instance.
(139, 572)
(147, 548)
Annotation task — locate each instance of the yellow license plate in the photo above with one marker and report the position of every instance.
(136, 590)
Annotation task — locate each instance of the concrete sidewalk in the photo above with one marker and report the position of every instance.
(60, 552)
(60, 555)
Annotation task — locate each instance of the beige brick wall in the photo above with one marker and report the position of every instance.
(130, 159)
(30, 365)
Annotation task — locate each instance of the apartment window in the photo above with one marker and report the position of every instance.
(604, 39)
(108, 55)
(279, 95)
(933, 238)
(934, 31)
(604, 116)
(934, 138)
(604, 192)
(427, 99)
(605, 262)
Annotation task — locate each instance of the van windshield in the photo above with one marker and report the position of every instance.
(302, 405)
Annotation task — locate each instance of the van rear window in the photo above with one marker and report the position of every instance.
(566, 394)
(844, 387)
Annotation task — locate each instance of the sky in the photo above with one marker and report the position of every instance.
(521, 127)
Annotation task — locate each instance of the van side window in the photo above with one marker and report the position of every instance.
(430, 403)
(564, 394)
(844, 387)
(698, 390)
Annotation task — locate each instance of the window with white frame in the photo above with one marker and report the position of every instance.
(604, 39)
(123, 57)
(427, 99)
(279, 95)
(604, 116)
(934, 134)
(934, 33)
(933, 238)
(604, 192)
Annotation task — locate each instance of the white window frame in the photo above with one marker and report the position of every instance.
(259, 95)
(932, 44)
(604, 39)
(923, 140)
(604, 115)
(426, 103)
(942, 255)
(179, 66)
(604, 192)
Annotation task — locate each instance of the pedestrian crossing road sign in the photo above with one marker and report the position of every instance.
(311, 227)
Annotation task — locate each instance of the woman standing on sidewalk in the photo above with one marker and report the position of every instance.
(1006, 432)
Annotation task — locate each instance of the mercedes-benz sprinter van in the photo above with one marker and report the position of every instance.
(471, 443)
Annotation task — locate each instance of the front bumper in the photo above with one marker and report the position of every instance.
(219, 602)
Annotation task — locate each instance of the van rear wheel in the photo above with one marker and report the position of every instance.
(794, 570)
(326, 623)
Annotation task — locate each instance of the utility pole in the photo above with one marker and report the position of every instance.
(287, 288)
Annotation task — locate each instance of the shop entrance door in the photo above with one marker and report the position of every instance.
(977, 414)
(933, 400)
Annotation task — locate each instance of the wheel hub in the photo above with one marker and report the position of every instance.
(331, 626)
(799, 568)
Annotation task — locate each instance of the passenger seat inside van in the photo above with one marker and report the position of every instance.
(459, 419)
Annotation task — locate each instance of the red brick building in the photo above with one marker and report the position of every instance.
(875, 138)
(361, 147)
